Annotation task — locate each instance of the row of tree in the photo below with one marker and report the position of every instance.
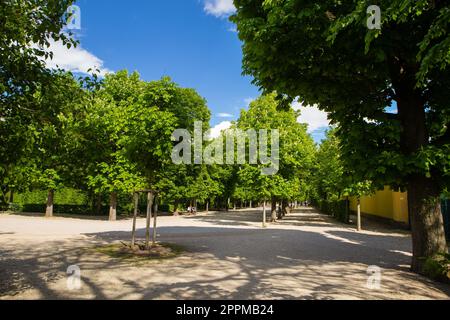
(114, 136)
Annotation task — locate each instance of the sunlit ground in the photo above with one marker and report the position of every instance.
(229, 256)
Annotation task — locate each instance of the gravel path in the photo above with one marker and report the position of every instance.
(229, 256)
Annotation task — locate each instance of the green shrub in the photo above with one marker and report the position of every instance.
(336, 208)
(164, 208)
(63, 209)
(64, 196)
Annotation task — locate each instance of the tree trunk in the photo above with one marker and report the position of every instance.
(280, 211)
(274, 210)
(427, 223)
(358, 216)
(175, 208)
(427, 226)
(49, 209)
(133, 231)
(4, 197)
(149, 217)
(207, 206)
(264, 214)
(11, 196)
(113, 207)
(155, 218)
(98, 205)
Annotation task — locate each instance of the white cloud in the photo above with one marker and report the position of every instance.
(215, 131)
(219, 8)
(224, 115)
(74, 59)
(312, 116)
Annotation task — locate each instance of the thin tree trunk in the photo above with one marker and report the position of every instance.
(155, 217)
(50, 198)
(358, 216)
(11, 196)
(264, 214)
(133, 232)
(149, 216)
(207, 206)
(113, 207)
(98, 205)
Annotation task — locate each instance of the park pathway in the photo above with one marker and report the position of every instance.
(229, 256)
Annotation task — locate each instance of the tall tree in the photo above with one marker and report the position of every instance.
(328, 175)
(26, 31)
(324, 53)
(124, 138)
(180, 183)
(296, 151)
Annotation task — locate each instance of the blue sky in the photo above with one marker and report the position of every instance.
(191, 41)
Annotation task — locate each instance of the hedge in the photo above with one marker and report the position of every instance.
(63, 209)
(339, 209)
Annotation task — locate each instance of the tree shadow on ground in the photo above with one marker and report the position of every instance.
(220, 263)
(250, 217)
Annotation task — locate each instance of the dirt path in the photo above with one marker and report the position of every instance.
(306, 256)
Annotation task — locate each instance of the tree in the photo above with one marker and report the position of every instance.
(329, 171)
(51, 164)
(181, 182)
(323, 53)
(26, 31)
(296, 152)
(122, 137)
(358, 189)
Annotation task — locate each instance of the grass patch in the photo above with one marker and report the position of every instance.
(159, 251)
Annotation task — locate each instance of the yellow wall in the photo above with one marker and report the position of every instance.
(386, 203)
